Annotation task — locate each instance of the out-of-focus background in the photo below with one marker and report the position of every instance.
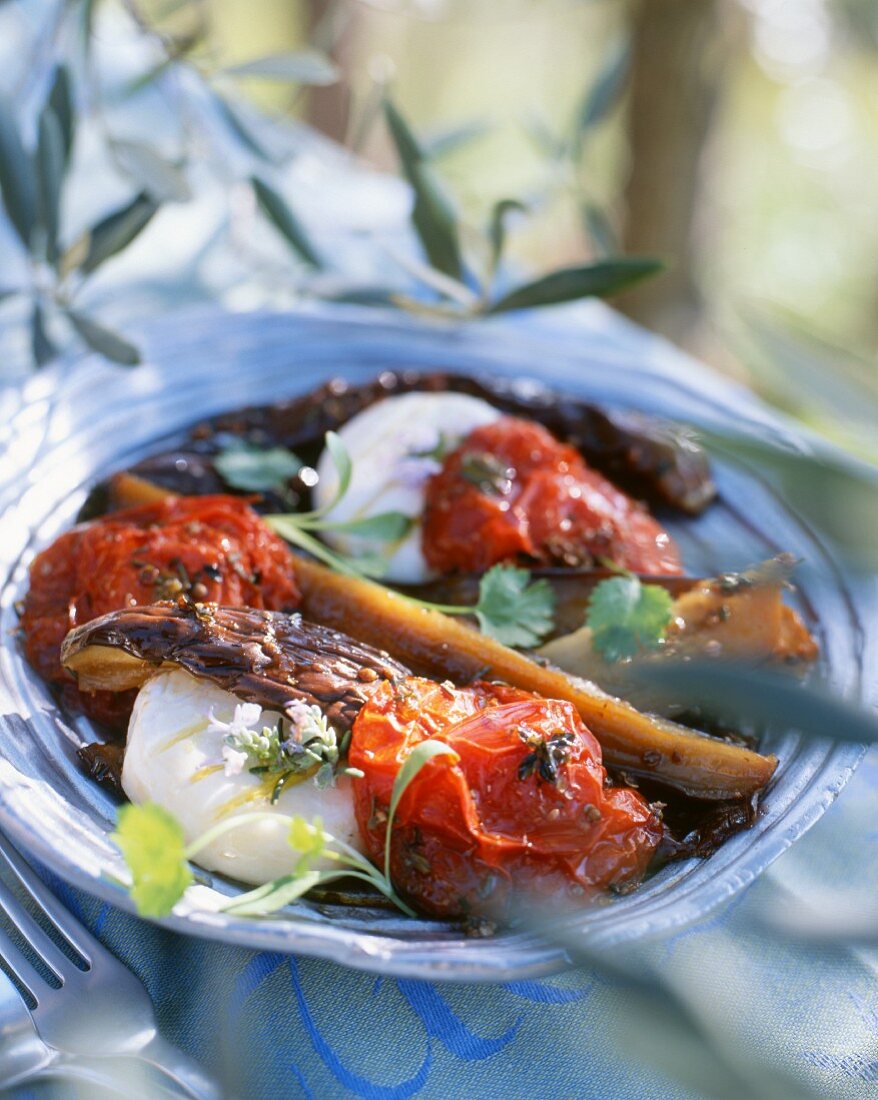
(740, 145)
(745, 150)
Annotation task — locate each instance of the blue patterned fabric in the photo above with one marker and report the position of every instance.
(760, 1007)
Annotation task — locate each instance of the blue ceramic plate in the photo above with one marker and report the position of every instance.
(78, 423)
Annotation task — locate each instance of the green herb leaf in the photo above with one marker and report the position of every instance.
(383, 527)
(433, 215)
(308, 839)
(278, 212)
(626, 616)
(273, 896)
(60, 102)
(511, 609)
(300, 67)
(16, 180)
(117, 230)
(607, 89)
(50, 163)
(152, 843)
(104, 340)
(497, 228)
(256, 469)
(42, 348)
(420, 755)
(570, 283)
(343, 466)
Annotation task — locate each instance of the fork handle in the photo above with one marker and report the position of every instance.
(183, 1071)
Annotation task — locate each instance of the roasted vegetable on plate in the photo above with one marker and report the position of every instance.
(385, 634)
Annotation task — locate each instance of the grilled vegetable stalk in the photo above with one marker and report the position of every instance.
(441, 647)
(263, 657)
(736, 616)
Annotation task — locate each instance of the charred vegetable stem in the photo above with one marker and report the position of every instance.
(441, 647)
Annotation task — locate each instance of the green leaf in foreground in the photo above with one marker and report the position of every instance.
(598, 280)
(16, 181)
(511, 609)
(626, 616)
(497, 228)
(278, 212)
(117, 230)
(50, 165)
(151, 841)
(104, 341)
(42, 348)
(256, 469)
(60, 102)
(420, 755)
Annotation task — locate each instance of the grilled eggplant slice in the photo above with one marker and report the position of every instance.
(264, 657)
(648, 457)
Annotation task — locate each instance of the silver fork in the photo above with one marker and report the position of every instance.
(100, 1012)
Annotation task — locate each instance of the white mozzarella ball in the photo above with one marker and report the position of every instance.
(173, 759)
(387, 444)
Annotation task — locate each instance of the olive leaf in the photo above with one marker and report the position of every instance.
(16, 179)
(300, 67)
(161, 179)
(239, 127)
(762, 696)
(606, 91)
(104, 340)
(568, 284)
(60, 102)
(117, 230)
(433, 215)
(278, 212)
(49, 164)
(497, 228)
(42, 348)
(383, 526)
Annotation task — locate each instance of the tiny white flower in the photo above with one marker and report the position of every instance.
(233, 761)
(243, 721)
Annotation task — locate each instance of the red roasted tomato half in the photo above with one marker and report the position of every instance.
(524, 808)
(512, 492)
(212, 549)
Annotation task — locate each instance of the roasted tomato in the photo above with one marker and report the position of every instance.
(512, 492)
(213, 549)
(524, 805)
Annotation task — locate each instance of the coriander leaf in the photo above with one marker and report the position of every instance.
(151, 840)
(625, 616)
(512, 610)
(256, 469)
(420, 755)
